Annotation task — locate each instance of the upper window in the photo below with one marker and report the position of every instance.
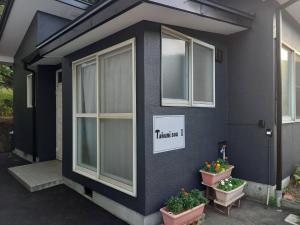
(29, 90)
(188, 71)
(104, 119)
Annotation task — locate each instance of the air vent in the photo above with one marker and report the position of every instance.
(88, 192)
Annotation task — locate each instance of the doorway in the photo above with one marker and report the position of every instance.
(59, 152)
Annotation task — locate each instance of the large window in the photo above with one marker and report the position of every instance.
(188, 71)
(104, 119)
(290, 74)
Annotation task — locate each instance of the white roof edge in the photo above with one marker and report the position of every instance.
(6, 59)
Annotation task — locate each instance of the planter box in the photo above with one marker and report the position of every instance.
(185, 217)
(213, 178)
(228, 196)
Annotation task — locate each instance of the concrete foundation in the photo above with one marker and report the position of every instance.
(259, 192)
(24, 156)
(120, 211)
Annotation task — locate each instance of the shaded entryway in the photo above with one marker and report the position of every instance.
(58, 205)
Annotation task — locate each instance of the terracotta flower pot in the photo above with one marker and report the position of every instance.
(228, 196)
(213, 178)
(185, 217)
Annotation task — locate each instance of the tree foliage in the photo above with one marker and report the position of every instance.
(6, 76)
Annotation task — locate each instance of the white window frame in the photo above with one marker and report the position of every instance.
(120, 186)
(292, 117)
(29, 91)
(296, 53)
(190, 102)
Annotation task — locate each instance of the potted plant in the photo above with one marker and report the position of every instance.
(229, 189)
(215, 171)
(184, 208)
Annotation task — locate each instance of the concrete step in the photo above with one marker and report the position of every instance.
(38, 176)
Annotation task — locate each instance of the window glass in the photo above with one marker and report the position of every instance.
(297, 86)
(174, 68)
(116, 150)
(286, 67)
(116, 81)
(86, 87)
(203, 75)
(87, 143)
(105, 135)
(29, 91)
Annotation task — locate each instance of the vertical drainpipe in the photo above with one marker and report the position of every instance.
(279, 106)
(34, 152)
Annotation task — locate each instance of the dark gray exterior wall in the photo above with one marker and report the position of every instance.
(46, 112)
(252, 94)
(23, 116)
(166, 173)
(291, 131)
(161, 175)
(137, 204)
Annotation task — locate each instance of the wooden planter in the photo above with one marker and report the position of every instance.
(227, 197)
(185, 217)
(210, 179)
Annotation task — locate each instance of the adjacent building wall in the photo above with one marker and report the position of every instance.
(290, 131)
(252, 95)
(168, 172)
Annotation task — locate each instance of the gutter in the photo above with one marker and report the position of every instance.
(278, 106)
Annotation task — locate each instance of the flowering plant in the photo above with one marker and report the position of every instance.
(217, 166)
(185, 200)
(230, 184)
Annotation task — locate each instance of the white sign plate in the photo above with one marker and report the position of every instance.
(168, 133)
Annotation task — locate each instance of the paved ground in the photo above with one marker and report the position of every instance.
(62, 206)
(55, 206)
(250, 213)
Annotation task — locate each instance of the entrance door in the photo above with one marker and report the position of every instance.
(59, 154)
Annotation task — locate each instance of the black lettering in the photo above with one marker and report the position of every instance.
(157, 132)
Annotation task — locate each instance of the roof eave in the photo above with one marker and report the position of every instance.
(112, 8)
